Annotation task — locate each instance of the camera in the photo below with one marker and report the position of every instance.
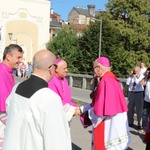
(148, 70)
(134, 72)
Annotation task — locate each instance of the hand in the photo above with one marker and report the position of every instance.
(131, 73)
(134, 75)
(77, 111)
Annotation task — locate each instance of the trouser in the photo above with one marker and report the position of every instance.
(146, 109)
(135, 101)
(147, 146)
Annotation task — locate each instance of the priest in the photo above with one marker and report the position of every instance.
(108, 110)
(12, 57)
(35, 116)
(59, 85)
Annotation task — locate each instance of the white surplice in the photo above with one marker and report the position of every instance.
(117, 134)
(36, 123)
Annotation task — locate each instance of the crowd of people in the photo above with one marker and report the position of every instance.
(139, 100)
(24, 70)
(36, 113)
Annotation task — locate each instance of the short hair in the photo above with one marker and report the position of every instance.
(11, 48)
(137, 67)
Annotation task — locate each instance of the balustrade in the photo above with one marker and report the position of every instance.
(83, 82)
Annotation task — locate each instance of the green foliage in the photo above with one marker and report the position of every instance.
(89, 45)
(65, 46)
(125, 39)
(131, 18)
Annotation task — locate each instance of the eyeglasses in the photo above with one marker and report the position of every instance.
(95, 67)
(53, 65)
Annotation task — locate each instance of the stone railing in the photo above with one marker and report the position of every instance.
(83, 81)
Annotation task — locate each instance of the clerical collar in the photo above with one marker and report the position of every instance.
(38, 76)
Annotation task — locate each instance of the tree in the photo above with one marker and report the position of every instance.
(65, 46)
(88, 44)
(131, 18)
(125, 36)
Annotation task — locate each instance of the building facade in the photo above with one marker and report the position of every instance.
(55, 24)
(82, 15)
(26, 23)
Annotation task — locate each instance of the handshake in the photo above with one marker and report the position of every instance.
(77, 111)
(71, 111)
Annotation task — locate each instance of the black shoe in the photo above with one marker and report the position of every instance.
(130, 125)
(139, 127)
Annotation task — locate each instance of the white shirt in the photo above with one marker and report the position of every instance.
(143, 70)
(36, 123)
(147, 92)
(138, 87)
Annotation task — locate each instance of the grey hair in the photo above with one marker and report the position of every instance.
(10, 49)
(137, 67)
(106, 68)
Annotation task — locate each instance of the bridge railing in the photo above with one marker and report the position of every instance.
(83, 82)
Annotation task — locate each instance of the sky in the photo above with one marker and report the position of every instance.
(63, 7)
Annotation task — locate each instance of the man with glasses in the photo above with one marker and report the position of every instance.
(135, 96)
(108, 110)
(36, 119)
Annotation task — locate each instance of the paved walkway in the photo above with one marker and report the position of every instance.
(81, 138)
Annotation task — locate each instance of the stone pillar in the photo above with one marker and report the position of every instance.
(84, 83)
(71, 81)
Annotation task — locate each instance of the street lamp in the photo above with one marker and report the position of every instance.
(91, 9)
(11, 37)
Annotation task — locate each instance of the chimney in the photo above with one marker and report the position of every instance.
(91, 9)
(51, 11)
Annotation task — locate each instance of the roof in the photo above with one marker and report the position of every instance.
(55, 23)
(80, 27)
(53, 16)
(84, 11)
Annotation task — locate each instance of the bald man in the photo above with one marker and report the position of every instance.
(59, 85)
(36, 119)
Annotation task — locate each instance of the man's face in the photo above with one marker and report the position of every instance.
(97, 69)
(14, 59)
(142, 65)
(136, 71)
(62, 69)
